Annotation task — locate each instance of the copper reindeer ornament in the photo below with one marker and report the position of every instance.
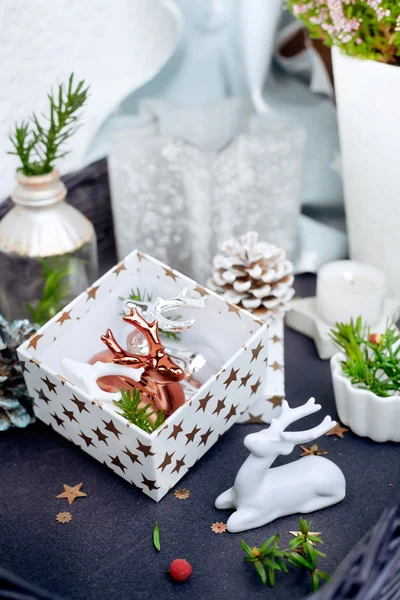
(159, 382)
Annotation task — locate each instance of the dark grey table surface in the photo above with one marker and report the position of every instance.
(106, 551)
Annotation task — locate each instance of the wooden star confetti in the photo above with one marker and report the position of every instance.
(71, 493)
(314, 533)
(63, 517)
(338, 430)
(218, 527)
(182, 494)
(312, 450)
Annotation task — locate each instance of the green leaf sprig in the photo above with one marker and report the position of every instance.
(372, 360)
(143, 296)
(156, 537)
(136, 414)
(301, 553)
(39, 144)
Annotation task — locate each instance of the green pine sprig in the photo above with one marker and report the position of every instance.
(143, 296)
(136, 414)
(301, 553)
(56, 289)
(39, 144)
(372, 360)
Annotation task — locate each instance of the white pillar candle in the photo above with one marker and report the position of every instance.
(347, 289)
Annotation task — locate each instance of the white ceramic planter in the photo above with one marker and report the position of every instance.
(365, 413)
(368, 106)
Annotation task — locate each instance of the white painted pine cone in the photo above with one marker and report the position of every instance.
(254, 275)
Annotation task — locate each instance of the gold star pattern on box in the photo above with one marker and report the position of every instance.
(64, 517)
(72, 492)
(218, 527)
(313, 450)
(182, 494)
(338, 430)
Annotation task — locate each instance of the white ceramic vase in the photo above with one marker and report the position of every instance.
(367, 414)
(368, 107)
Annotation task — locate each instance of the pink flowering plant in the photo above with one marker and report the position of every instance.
(362, 28)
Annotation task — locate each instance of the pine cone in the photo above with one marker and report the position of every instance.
(15, 404)
(255, 276)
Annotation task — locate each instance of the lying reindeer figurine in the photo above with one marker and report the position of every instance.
(261, 494)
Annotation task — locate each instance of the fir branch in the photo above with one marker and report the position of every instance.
(301, 553)
(38, 145)
(372, 360)
(133, 411)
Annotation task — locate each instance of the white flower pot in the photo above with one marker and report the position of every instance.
(364, 412)
(368, 106)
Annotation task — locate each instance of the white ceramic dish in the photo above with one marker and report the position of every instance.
(367, 414)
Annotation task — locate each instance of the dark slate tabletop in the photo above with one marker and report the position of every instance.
(106, 551)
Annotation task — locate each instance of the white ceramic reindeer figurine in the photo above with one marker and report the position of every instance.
(261, 494)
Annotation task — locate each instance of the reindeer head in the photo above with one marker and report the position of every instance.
(156, 362)
(276, 441)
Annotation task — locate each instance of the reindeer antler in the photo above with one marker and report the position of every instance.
(155, 359)
(156, 310)
(290, 415)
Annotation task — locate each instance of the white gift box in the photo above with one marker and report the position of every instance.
(233, 340)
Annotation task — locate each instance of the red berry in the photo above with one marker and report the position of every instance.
(180, 569)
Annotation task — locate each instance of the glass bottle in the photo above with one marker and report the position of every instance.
(48, 250)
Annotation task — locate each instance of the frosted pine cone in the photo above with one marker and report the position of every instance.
(255, 276)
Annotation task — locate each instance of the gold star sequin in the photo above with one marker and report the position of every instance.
(312, 450)
(33, 341)
(170, 273)
(338, 430)
(65, 316)
(256, 351)
(91, 292)
(276, 400)
(71, 492)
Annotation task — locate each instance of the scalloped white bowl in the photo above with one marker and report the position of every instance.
(364, 412)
